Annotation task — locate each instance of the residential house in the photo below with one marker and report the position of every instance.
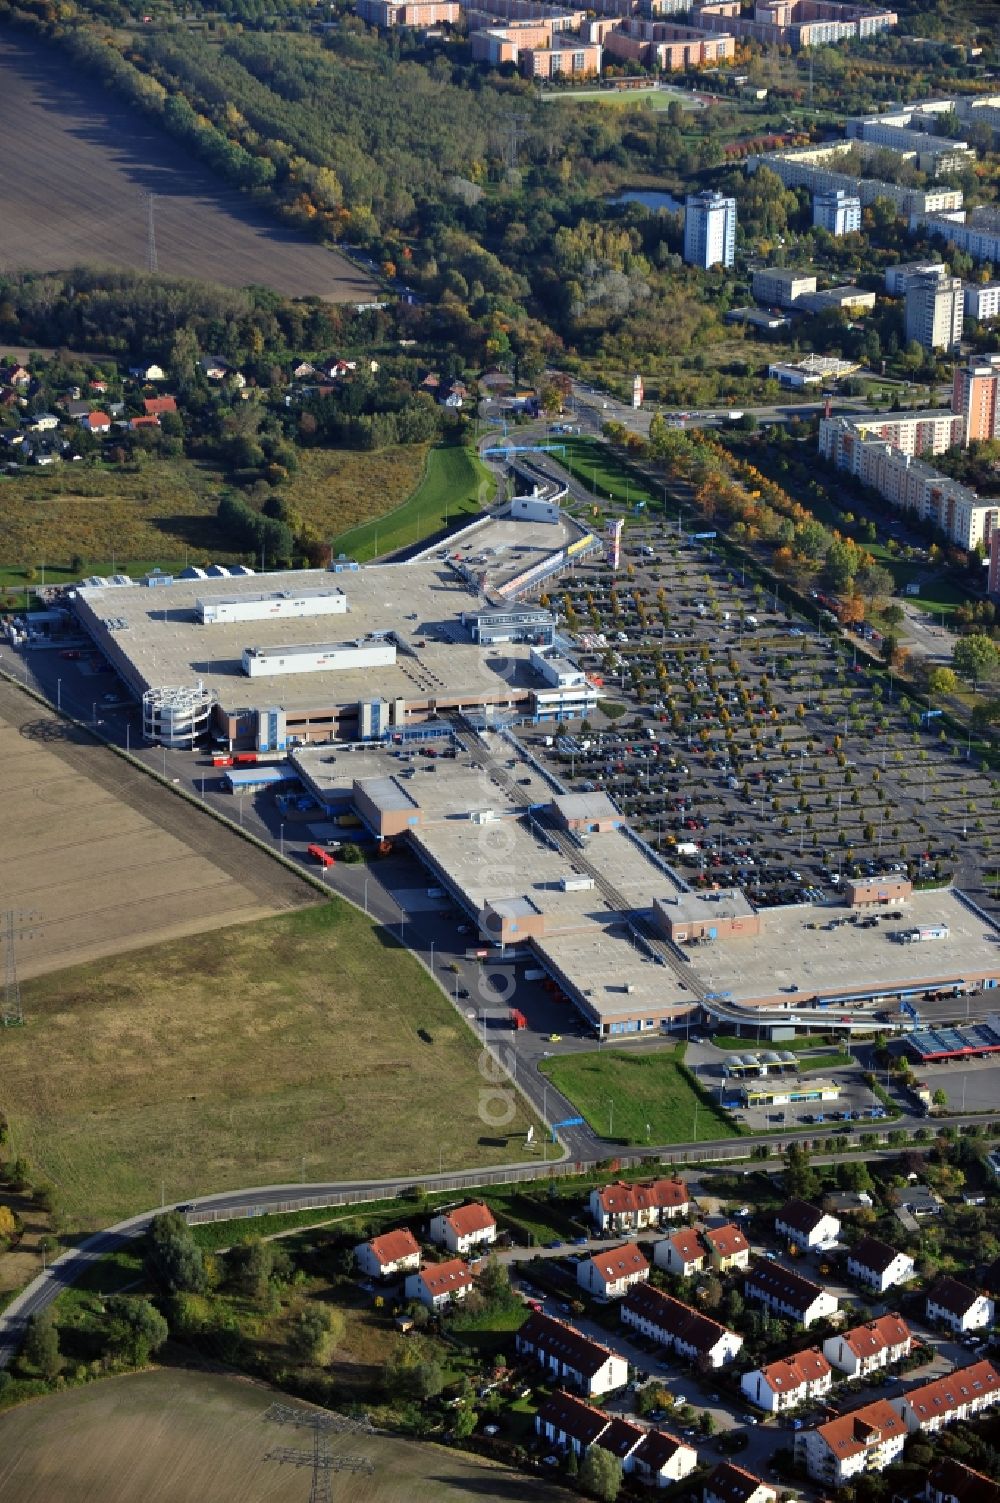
(96, 422)
(729, 1483)
(213, 367)
(570, 1423)
(871, 1347)
(98, 386)
(438, 1284)
(728, 1247)
(879, 1266)
(624, 1208)
(792, 1380)
(15, 374)
(138, 423)
(393, 1252)
(149, 372)
(303, 369)
(42, 422)
(806, 1226)
(679, 1327)
(847, 1202)
(963, 1393)
(661, 1459)
(866, 1440)
(76, 408)
(681, 1253)
(787, 1293)
(950, 1481)
(337, 370)
(567, 1355)
(574, 1425)
(158, 406)
(611, 1274)
(920, 1200)
(464, 1228)
(953, 1304)
(454, 395)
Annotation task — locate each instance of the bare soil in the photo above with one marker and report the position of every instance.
(97, 857)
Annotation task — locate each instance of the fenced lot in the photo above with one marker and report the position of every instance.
(73, 191)
(168, 1437)
(96, 857)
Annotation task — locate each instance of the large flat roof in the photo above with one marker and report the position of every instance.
(850, 959)
(158, 631)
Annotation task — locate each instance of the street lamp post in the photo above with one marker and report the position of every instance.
(366, 897)
(281, 837)
(59, 695)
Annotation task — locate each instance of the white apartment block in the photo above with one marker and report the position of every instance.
(978, 236)
(982, 300)
(871, 1261)
(778, 287)
(910, 484)
(815, 168)
(929, 432)
(965, 1392)
(899, 277)
(935, 312)
(837, 212)
(709, 230)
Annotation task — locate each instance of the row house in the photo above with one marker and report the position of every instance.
(690, 1249)
(392, 1253)
(730, 1483)
(869, 1348)
(950, 1481)
(654, 1456)
(960, 1395)
(792, 1380)
(679, 1327)
(878, 1266)
(611, 1274)
(464, 1228)
(569, 1356)
(866, 1440)
(953, 1304)
(620, 1207)
(789, 1294)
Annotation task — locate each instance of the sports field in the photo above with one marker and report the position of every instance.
(305, 1047)
(97, 858)
(74, 192)
(171, 1436)
(633, 1097)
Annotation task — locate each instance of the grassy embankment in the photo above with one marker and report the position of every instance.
(639, 1097)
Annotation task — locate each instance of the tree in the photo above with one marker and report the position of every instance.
(309, 1334)
(8, 1225)
(601, 1474)
(136, 1329)
(173, 1255)
(41, 1347)
(940, 1097)
(975, 656)
(799, 1178)
(252, 1266)
(942, 681)
(706, 1423)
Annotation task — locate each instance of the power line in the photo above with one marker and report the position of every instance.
(151, 261)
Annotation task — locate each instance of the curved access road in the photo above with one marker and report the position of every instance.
(236, 1204)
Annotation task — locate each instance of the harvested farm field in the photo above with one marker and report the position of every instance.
(101, 858)
(73, 193)
(169, 1436)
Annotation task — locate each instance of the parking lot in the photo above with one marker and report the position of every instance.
(752, 748)
(708, 1064)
